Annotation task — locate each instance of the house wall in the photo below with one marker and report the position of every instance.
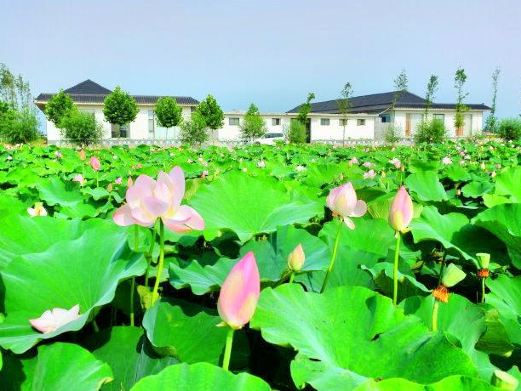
(473, 118)
(335, 130)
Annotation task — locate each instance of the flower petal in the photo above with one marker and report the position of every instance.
(178, 179)
(123, 216)
(360, 209)
(185, 219)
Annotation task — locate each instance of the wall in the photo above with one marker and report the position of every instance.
(335, 131)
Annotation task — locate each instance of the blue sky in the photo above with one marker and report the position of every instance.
(269, 52)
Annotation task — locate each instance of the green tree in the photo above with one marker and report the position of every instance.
(15, 90)
(194, 131)
(168, 113)
(343, 107)
(120, 108)
(432, 87)
(400, 86)
(80, 128)
(18, 126)
(253, 125)
(305, 109)
(211, 112)
(491, 122)
(510, 128)
(459, 81)
(58, 107)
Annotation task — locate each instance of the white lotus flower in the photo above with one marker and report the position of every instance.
(51, 320)
(38, 210)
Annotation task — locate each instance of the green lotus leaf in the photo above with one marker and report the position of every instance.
(130, 356)
(249, 206)
(85, 271)
(505, 295)
(450, 383)
(504, 221)
(55, 192)
(507, 184)
(426, 186)
(354, 334)
(200, 377)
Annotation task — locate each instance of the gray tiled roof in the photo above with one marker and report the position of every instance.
(91, 92)
(376, 103)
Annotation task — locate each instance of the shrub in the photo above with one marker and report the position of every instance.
(194, 131)
(58, 107)
(510, 128)
(391, 135)
(18, 127)
(297, 132)
(430, 132)
(253, 125)
(81, 128)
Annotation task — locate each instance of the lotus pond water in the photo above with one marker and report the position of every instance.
(261, 267)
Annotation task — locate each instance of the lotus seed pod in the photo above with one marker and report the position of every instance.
(484, 260)
(452, 275)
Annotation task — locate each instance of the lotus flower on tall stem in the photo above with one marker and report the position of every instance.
(149, 201)
(483, 271)
(238, 299)
(343, 202)
(296, 261)
(400, 217)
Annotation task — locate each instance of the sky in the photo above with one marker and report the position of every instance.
(270, 52)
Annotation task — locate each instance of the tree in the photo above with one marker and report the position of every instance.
(18, 126)
(14, 90)
(491, 122)
(459, 81)
(432, 87)
(168, 113)
(510, 128)
(343, 107)
(400, 86)
(58, 107)
(120, 108)
(81, 128)
(253, 125)
(305, 109)
(194, 131)
(211, 112)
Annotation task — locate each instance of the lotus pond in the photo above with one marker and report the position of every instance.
(259, 268)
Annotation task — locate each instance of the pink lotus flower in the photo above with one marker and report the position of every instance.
(95, 163)
(368, 164)
(396, 162)
(80, 179)
(240, 293)
(82, 155)
(38, 210)
(353, 161)
(369, 174)
(296, 259)
(51, 320)
(148, 200)
(343, 202)
(58, 154)
(401, 212)
(446, 161)
(118, 181)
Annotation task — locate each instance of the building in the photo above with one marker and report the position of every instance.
(368, 117)
(89, 97)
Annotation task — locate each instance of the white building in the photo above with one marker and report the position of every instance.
(368, 117)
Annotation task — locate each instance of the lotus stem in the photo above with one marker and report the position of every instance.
(333, 257)
(482, 290)
(228, 349)
(291, 277)
(133, 281)
(148, 255)
(155, 294)
(435, 310)
(395, 268)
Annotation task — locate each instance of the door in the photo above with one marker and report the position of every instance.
(467, 125)
(411, 123)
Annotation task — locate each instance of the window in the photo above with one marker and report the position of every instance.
(324, 121)
(440, 117)
(275, 121)
(151, 124)
(233, 121)
(386, 118)
(342, 122)
(360, 122)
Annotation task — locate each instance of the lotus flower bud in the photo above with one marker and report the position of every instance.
(504, 380)
(296, 259)
(401, 212)
(82, 155)
(51, 320)
(240, 293)
(95, 163)
(452, 275)
(38, 210)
